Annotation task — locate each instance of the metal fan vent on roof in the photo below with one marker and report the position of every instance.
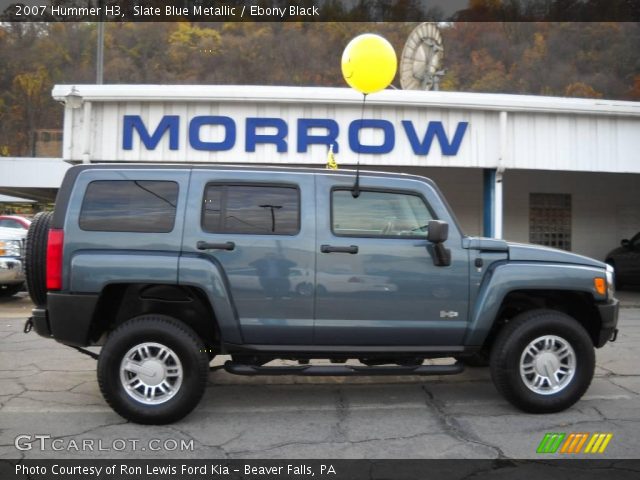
(420, 64)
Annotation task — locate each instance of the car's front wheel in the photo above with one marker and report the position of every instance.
(153, 369)
(542, 361)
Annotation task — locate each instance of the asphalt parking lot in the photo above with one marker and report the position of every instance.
(51, 390)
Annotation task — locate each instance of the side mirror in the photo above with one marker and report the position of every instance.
(438, 231)
(625, 243)
(438, 234)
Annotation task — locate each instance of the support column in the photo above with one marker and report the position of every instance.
(489, 202)
(502, 161)
(86, 133)
(492, 205)
(497, 202)
(492, 181)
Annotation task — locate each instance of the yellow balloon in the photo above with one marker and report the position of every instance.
(369, 63)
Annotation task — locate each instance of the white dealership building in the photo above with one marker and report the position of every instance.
(555, 171)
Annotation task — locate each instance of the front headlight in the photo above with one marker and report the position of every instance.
(10, 248)
(611, 282)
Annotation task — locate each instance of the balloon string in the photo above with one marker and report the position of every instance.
(356, 186)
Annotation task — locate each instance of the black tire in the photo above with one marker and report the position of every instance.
(10, 290)
(36, 258)
(168, 332)
(510, 344)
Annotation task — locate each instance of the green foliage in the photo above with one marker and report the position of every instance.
(592, 60)
(595, 60)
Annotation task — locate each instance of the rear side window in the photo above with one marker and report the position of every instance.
(251, 209)
(147, 206)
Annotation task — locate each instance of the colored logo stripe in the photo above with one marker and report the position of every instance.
(598, 443)
(574, 442)
(550, 442)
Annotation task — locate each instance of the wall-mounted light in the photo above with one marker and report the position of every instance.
(73, 100)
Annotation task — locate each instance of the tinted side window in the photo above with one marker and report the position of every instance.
(386, 214)
(9, 223)
(251, 209)
(129, 206)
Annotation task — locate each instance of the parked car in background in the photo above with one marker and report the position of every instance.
(626, 261)
(11, 260)
(14, 221)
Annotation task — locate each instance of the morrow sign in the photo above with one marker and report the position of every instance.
(275, 131)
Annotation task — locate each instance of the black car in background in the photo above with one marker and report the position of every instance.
(626, 261)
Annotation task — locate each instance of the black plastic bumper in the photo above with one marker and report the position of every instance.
(40, 321)
(67, 318)
(609, 321)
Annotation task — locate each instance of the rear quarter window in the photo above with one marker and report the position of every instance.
(251, 209)
(147, 206)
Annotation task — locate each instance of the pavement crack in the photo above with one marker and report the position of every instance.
(275, 447)
(332, 443)
(204, 444)
(223, 445)
(626, 389)
(453, 427)
(610, 373)
(96, 427)
(338, 432)
(599, 412)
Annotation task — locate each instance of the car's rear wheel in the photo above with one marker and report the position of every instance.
(153, 369)
(36, 257)
(542, 361)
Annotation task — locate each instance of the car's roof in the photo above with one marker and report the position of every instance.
(15, 217)
(253, 167)
(67, 184)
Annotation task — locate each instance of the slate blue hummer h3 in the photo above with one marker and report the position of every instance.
(166, 266)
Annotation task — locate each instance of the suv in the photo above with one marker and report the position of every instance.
(11, 257)
(626, 262)
(167, 266)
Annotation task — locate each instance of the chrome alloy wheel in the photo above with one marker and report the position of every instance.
(547, 365)
(151, 373)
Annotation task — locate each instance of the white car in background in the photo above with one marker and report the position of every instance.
(12, 244)
(14, 221)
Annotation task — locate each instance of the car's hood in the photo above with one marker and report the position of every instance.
(532, 253)
(537, 253)
(12, 233)
(616, 251)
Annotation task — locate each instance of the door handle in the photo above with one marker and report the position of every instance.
(333, 249)
(201, 245)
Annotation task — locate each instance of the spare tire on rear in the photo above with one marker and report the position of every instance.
(36, 258)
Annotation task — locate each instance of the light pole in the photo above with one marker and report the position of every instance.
(100, 48)
(273, 214)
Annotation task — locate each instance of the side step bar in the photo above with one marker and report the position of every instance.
(343, 370)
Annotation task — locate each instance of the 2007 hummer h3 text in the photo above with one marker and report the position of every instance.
(167, 266)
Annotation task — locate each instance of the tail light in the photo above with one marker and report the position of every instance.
(54, 259)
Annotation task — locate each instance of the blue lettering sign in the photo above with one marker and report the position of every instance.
(435, 129)
(278, 139)
(134, 122)
(305, 138)
(384, 125)
(229, 136)
(171, 124)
